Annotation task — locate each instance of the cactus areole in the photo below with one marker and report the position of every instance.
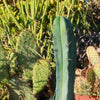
(65, 57)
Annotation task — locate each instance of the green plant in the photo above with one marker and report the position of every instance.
(91, 79)
(65, 57)
(4, 76)
(26, 50)
(92, 55)
(18, 90)
(82, 86)
(41, 73)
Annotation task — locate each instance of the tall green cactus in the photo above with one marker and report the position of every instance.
(65, 57)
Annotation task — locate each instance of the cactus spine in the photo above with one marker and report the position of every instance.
(65, 57)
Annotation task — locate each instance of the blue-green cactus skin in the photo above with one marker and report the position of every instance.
(65, 57)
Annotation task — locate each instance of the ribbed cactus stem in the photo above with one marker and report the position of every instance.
(65, 57)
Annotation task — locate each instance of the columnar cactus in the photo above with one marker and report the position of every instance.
(41, 72)
(26, 50)
(65, 57)
(92, 55)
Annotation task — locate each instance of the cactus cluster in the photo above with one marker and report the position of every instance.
(65, 57)
(92, 74)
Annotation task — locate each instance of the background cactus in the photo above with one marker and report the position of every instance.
(82, 86)
(92, 55)
(19, 90)
(4, 76)
(90, 76)
(26, 52)
(96, 69)
(41, 72)
(65, 57)
(11, 61)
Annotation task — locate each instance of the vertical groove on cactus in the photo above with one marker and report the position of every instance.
(65, 57)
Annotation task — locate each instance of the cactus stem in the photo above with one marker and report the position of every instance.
(69, 43)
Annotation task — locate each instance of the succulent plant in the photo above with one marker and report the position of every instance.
(65, 58)
(82, 86)
(84, 39)
(26, 52)
(91, 76)
(41, 72)
(19, 90)
(92, 55)
(12, 63)
(4, 76)
(96, 69)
